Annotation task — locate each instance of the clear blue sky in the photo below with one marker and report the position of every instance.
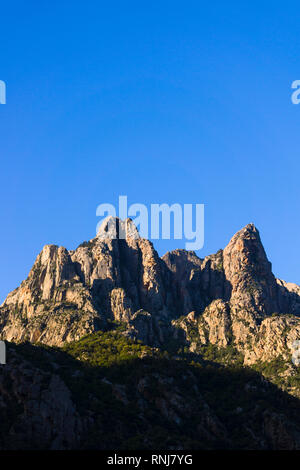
(167, 101)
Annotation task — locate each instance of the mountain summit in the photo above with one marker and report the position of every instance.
(230, 297)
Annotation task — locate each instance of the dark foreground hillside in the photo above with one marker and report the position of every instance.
(109, 392)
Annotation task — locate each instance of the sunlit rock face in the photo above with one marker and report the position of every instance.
(118, 276)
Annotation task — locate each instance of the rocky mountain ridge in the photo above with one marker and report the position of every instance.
(230, 297)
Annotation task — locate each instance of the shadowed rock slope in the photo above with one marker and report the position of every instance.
(108, 392)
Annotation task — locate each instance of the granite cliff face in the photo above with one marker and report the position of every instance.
(251, 309)
(231, 297)
(234, 297)
(71, 294)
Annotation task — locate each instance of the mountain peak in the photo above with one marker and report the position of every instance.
(249, 271)
(246, 243)
(248, 230)
(70, 293)
(116, 228)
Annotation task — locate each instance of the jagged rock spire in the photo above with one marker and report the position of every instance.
(114, 228)
(249, 272)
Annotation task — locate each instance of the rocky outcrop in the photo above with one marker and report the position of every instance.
(219, 325)
(118, 276)
(250, 309)
(70, 294)
(52, 305)
(288, 297)
(249, 273)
